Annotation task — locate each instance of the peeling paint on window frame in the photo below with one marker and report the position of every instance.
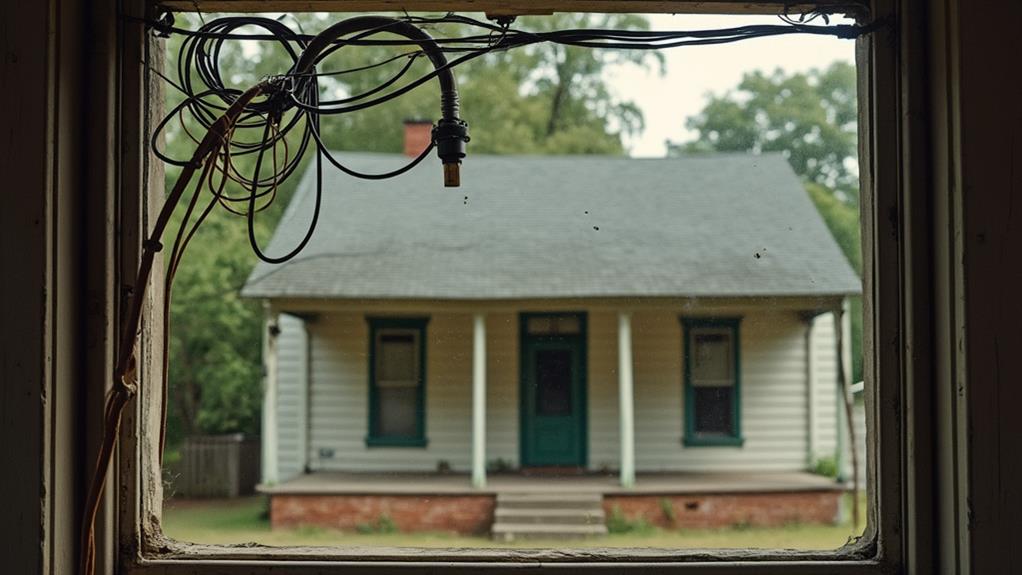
(141, 549)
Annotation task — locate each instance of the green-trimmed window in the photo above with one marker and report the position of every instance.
(397, 382)
(712, 382)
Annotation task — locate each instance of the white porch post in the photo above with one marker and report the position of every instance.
(626, 401)
(269, 432)
(479, 401)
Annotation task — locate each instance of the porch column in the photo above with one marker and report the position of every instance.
(626, 399)
(479, 401)
(270, 473)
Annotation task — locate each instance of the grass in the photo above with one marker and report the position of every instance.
(245, 521)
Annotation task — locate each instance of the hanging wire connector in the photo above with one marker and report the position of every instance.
(450, 136)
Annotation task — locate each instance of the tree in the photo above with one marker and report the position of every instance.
(811, 119)
(544, 98)
(541, 99)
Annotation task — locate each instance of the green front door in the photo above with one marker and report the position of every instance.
(553, 391)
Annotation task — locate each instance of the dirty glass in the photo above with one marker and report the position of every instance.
(553, 382)
(616, 208)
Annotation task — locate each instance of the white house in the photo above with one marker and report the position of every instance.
(640, 326)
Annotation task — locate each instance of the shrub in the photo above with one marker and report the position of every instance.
(499, 465)
(617, 523)
(826, 466)
(667, 508)
(383, 524)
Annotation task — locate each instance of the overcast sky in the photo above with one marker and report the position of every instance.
(692, 72)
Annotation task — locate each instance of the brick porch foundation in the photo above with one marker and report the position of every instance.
(473, 514)
(468, 514)
(694, 511)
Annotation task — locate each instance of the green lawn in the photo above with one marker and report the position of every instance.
(244, 520)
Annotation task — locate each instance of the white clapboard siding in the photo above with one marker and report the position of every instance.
(602, 394)
(773, 378)
(292, 383)
(502, 372)
(340, 397)
(773, 399)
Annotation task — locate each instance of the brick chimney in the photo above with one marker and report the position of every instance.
(418, 134)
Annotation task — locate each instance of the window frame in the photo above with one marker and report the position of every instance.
(373, 438)
(691, 437)
(895, 244)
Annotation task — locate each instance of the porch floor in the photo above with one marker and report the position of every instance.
(335, 482)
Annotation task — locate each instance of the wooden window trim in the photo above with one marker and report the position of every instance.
(373, 438)
(899, 538)
(690, 437)
(520, 7)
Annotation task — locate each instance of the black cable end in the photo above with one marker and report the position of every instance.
(450, 136)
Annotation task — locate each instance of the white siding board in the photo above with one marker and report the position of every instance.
(292, 373)
(602, 393)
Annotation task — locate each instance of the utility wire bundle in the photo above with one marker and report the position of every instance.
(287, 107)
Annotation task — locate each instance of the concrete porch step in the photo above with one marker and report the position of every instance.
(550, 501)
(570, 516)
(513, 531)
(548, 516)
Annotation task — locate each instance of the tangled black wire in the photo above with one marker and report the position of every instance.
(291, 105)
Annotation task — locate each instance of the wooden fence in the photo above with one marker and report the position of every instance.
(217, 466)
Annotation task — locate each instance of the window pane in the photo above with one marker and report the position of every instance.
(569, 216)
(553, 382)
(397, 358)
(554, 325)
(568, 325)
(397, 412)
(541, 325)
(711, 359)
(713, 410)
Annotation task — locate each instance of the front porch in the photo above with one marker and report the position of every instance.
(450, 503)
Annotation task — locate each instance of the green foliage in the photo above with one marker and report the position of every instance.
(382, 525)
(215, 336)
(842, 219)
(826, 466)
(667, 508)
(810, 118)
(540, 100)
(499, 465)
(618, 524)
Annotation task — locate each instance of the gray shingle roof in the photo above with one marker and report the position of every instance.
(575, 226)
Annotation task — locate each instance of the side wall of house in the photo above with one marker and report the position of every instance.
(774, 402)
(292, 384)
